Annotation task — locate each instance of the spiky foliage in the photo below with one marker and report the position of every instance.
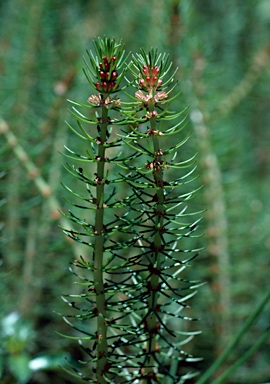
(98, 299)
(131, 281)
(162, 221)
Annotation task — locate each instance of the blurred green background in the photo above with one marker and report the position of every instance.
(222, 50)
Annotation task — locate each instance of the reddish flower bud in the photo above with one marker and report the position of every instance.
(159, 82)
(101, 74)
(114, 75)
(155, 70)
(145, 70)
(112, 85)
(97, 85)
(105, 59)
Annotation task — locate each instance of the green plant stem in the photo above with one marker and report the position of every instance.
(243, 358)
(243, 330)
(152, 321)
(102, 347)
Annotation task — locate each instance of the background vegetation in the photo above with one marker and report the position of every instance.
(222, 50)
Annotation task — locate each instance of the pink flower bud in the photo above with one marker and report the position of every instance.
(155, 70)
(145, 70)
(159, 82)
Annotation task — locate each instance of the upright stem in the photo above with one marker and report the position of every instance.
(152, 320)
(102, 346)
(102, 73)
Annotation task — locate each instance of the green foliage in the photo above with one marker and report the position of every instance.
(222, 51)
(134, 292)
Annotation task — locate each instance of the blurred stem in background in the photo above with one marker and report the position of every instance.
(27, 25)
(216, 231)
